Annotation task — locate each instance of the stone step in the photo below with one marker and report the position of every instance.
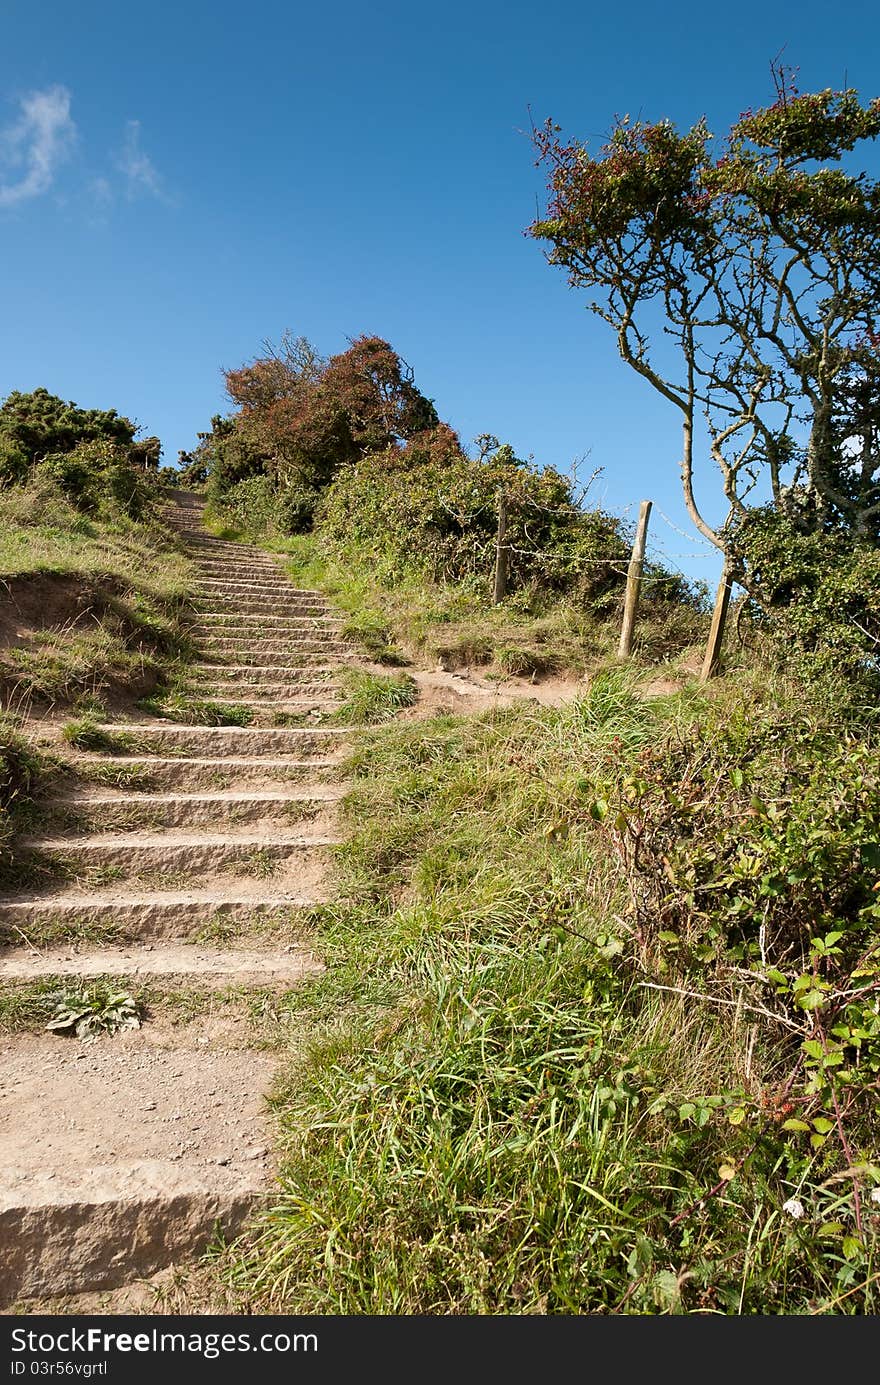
(170, 853)
(220, 846)
(252, 562)
(322, 701)
(235, 571)
(213, 544)
(154, 738)
(251, 628)
(226, 604)
(272, 647)
(245, 584)
(116, 812)
(218, 590)
(311, 663)
(257, 691)
(313, 672)
(158, 914)
(91, 1202)
(213, 966)
(210, 620)
(174, 772)
(270, 583)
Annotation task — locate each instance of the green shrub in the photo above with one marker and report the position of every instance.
(430, 511)
(817, 594)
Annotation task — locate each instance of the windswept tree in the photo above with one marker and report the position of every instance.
(742, 281)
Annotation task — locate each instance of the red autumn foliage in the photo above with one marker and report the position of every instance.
(305, 417)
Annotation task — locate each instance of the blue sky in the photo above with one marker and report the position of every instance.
(179, 182)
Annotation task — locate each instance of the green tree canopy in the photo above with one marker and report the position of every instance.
(39, 424)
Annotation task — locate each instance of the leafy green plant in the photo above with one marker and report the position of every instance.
(96, 1010)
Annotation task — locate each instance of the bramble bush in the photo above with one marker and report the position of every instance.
(428, 510)
(748, 844)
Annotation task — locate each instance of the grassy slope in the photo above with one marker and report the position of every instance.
(100, 599)
(496, 1114)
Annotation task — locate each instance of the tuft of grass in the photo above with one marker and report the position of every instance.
(195, 711)
(370, 698)
(370, 629)
(85, 733)
(134, 776)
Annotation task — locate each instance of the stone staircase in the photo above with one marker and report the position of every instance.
(119, 1157)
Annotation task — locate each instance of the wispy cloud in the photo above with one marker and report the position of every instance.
(33, 146)
(140, 172)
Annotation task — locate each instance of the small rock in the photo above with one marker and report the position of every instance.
(224, 1159)
(150, 1106)
(256, 1152)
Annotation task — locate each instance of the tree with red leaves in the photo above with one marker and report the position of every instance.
(305, 417)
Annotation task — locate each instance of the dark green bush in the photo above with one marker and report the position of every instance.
(816, 594)
(428, 510)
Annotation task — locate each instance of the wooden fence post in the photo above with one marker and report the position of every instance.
(716, 631)
(634, 581)
(502, 554)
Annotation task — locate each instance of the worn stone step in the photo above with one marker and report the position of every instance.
(305, 593)
(315, 662)
(121, 1157)
(212, 620)
(215, 587)
(115, 812)
(183, 913)
(213, 966)
(250, 691)
(99, 859)
(154, 738)
(244, 586)
(259, 631)
(232, 571)
(313, 672)
(322, 701)
(254, 604)
(154, 773)
(272, 647)
(214, 544)
(253, 560)
(267, 591)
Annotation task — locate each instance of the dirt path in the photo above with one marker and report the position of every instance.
(120, 1156)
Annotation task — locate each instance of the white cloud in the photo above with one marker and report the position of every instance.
(140, 171)
(34, 145)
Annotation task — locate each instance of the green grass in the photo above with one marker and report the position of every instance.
(531, 634)
(42, 532)
(369, 698)
(195, 711)
(485, 1108)
(103, 598)
(133, 777)
(85, 733)
(25, 772)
